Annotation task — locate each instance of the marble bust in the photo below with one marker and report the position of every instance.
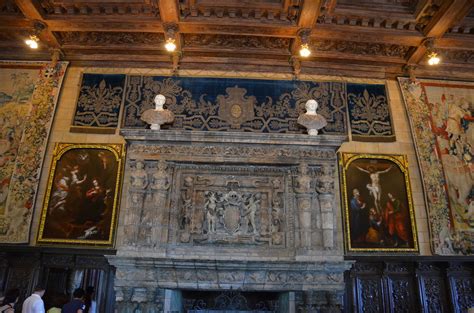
(312, 120)
(158, 116)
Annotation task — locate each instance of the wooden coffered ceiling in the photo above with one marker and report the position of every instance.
(367, 38)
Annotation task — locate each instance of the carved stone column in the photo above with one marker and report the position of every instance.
(135, 231)
(160, 185)
(304, 197)
(325, 188)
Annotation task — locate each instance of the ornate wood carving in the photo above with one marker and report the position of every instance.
(84, 39)
(107, 8)
(236, 42)
(361, 48)
(387, 28)
(279, 11)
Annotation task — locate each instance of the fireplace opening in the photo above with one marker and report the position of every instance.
(230, 301)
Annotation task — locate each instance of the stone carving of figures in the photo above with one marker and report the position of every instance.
(139, 177)
(251, 211)
(276, 216)
(276, 183)
(303, 181)
(187, 207)
(160, 185)
(160, 177)
(326, 180)
(211, 212)
(158, 116)
(327, 218)
(312, 120)
(304, 200)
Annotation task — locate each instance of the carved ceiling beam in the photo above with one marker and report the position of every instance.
(15, 23)
(448, 14)
(91, 24)
(169, 13)
(309, 13)
(236, 29)
(31, 9)
(364, 34)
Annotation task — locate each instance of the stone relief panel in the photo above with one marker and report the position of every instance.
(191, 204)
(231, 205)
(147, 201)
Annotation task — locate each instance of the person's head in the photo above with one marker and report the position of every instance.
(95, 182)
(11, 296)
(355, 192)
(78, 293)
(40, 290)
(90, 293)
(392, 197)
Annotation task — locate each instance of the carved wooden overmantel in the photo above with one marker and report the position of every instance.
(208, 210)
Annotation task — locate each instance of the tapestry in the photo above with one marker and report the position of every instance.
(209, 104)
(441, 118)
(98, 104)
(369, 113)
(28, 96)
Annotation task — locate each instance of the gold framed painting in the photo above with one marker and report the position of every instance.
(378, 207)
(82, 199)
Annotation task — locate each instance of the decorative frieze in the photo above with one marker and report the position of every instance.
(362, 48)
(237, 42)
(109, 38)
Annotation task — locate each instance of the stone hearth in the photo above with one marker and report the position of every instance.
(221, 211)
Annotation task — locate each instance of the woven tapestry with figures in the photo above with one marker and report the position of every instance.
(264, 106)
(442, 123)
(28, 96)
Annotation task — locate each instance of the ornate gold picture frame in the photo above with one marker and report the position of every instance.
(82, 199)
(378, 207)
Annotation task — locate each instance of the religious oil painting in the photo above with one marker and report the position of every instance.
(378, 208)
(83, 192)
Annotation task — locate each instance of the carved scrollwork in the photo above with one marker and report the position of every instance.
(110, 38)
(401, 295)
(362, 48)
(226, 41)
(370, 295)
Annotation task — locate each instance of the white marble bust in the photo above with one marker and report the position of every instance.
(158, 116)
(312, 120)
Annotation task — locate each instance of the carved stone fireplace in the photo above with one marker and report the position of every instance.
(222, 211)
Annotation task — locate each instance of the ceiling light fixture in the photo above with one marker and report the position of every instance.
(170, 45)
(170, 35)
(433, 58)
(304, 50)
(303, 35)
(32, 42)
